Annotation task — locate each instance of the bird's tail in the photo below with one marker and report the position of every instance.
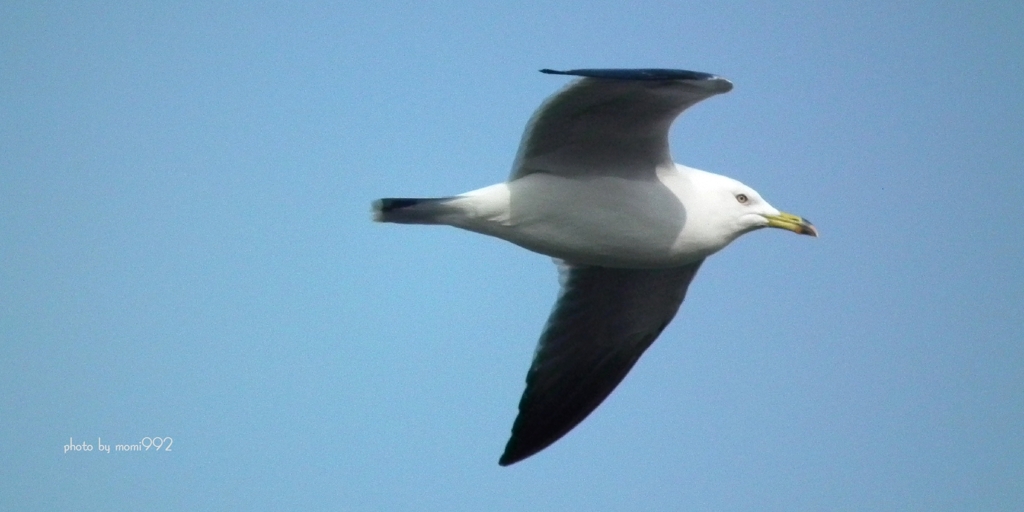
(406, 210)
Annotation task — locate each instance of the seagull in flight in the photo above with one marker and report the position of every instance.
(594, 186)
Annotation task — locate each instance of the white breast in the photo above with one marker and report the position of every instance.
(597, 220)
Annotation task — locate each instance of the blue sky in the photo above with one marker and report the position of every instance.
(186, 252)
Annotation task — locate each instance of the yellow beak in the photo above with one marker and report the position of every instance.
(792, 223)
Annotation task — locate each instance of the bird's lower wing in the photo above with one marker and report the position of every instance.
(603, 321)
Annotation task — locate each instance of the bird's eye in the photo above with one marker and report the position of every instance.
(742, 198)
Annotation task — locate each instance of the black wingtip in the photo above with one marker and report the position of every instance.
(514, 453)
(508, 457)
(635, 74)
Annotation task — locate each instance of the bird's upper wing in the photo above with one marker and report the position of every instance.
(611, 121)
(603, 321)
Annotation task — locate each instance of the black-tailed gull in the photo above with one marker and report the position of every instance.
(594, 186)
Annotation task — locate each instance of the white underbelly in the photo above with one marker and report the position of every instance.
(598, 221)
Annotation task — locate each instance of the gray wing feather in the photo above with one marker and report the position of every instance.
(611, 122)
(603, 322)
